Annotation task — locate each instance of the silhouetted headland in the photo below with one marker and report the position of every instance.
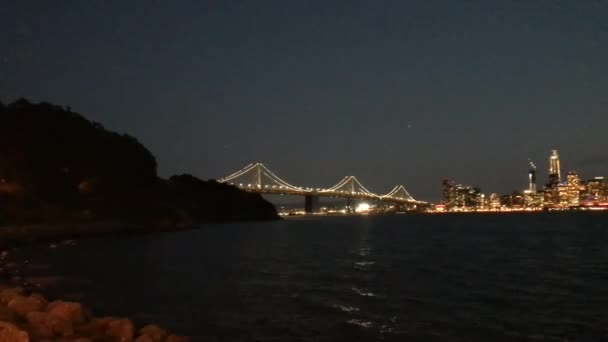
(63, 175)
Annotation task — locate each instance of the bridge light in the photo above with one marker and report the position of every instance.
(362, 207)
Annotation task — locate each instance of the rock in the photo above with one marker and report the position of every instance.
(70, 311)
(95, 328)
(176, 338)
(8, 294)
(6, 314)
(145, 338)
(11, 266)
(10, 333)
(44, 325)
(23, 305)
(154, 332)
(121, 329)
(40, 297)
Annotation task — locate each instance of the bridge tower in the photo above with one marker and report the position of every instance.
(311, 203)
(350, 205)
(258, 176)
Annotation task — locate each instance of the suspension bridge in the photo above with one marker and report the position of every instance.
(256, 177)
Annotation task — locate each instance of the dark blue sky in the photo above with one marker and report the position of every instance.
(391, 91)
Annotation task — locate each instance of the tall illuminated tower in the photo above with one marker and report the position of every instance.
(532, 177)
(555, 176)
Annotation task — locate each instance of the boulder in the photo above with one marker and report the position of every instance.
(176, 338)
(6, 314)
(154, 332)
(10, 333)
(8, 294)
(145, 338)
(23, 305)
(69, 311)
(40, 297)
(95, 328)
(44, 325)
(122, 330)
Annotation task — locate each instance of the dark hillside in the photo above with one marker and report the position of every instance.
(55, 165)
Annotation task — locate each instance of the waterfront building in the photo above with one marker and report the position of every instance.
(549, 196)
(448, 193)
(482, 203)
(597, 189)
(573, 182)
(561, 199)
(517, 200)
(494, 201)
(533, 200)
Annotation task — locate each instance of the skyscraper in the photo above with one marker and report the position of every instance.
(574, 189)
(532, 178)
(555, 176)
(447, 192)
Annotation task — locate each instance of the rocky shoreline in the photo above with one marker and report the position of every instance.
(27, 316)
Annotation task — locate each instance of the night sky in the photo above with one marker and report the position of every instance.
(390, 91)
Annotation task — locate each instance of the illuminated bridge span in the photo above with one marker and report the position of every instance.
(256, 177)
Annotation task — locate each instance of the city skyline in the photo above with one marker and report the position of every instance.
(401, 92)
(570, 192)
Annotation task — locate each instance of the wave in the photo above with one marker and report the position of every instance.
(365, 263)
(360, 322)
(346, 308)
(363, 293)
